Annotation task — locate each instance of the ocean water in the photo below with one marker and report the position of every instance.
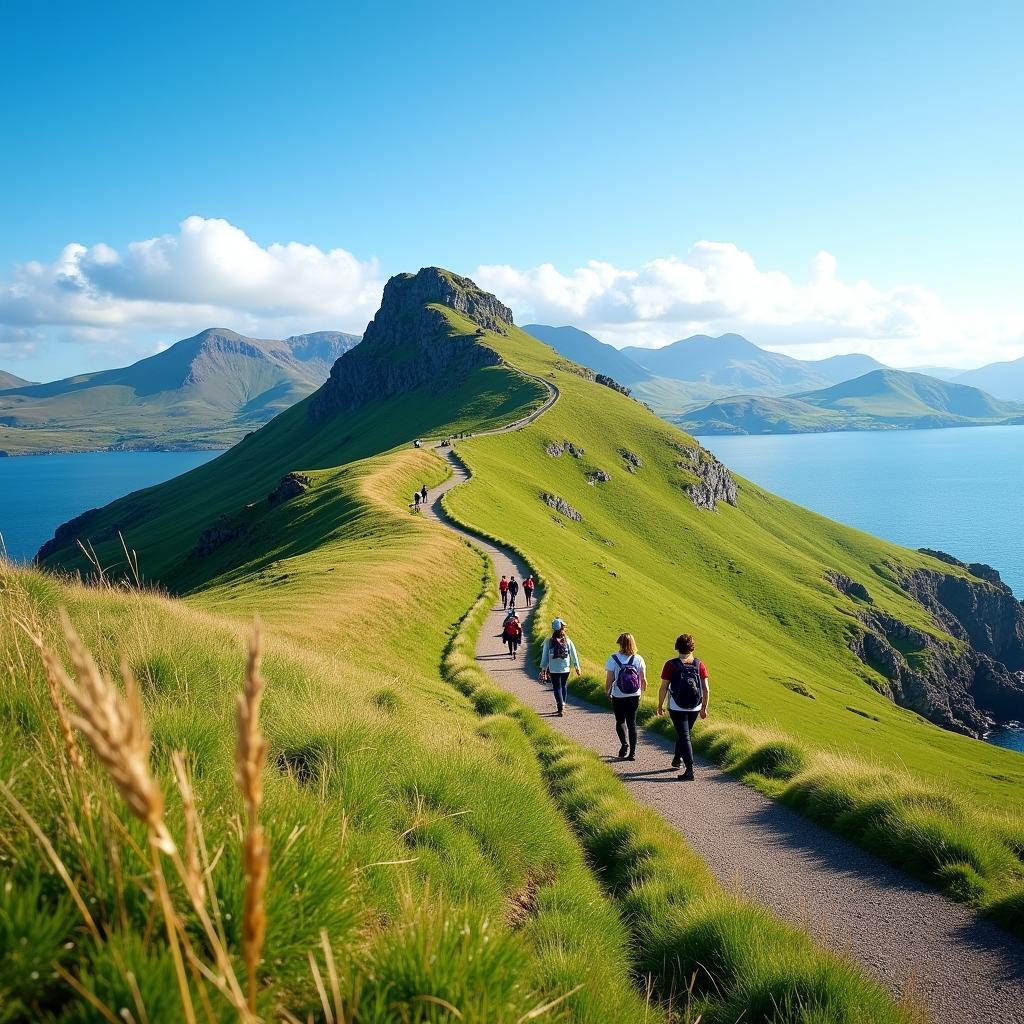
(39, 492)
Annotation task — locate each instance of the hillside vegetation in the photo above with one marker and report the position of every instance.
(435, 852)
(880, 400)
(204, 392)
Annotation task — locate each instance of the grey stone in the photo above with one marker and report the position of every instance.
(290, 486)
(714, 482)
(562, 506)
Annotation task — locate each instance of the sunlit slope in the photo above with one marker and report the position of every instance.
(747, 581)
(163, 523)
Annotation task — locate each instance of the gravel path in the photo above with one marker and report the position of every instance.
(912, 939)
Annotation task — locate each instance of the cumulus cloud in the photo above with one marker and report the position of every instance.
(208, 273)
(718, 287)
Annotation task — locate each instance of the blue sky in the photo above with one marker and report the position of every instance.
(515, 136)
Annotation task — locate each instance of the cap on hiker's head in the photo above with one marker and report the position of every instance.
(557, 624)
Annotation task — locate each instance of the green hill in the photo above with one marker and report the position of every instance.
(1004, 380)
(880, 400)
(437, 853)
(204, 392)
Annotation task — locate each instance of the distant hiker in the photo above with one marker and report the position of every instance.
(503, 588)
(513, 591)
(528, 588)
(625, 680)
(416, 500)
(417, 442)
(512, 633)
(557, 657)
(423, 494)
(685, 681)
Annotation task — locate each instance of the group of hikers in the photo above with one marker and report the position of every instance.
(684, 692)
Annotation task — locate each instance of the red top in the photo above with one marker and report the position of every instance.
(503, 585)
(528, 584)
(666, 672)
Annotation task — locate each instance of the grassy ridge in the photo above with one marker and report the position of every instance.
(422, 839)
(749, 582)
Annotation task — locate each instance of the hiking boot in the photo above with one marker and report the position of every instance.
(631, 756)
(623, 750)
(676, 762)
(559, 712)
(687, 776)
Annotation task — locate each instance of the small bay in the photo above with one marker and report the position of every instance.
(39, 492)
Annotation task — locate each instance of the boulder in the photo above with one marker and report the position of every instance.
(291, 485)
(562, 506)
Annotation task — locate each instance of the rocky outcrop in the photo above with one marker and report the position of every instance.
(611, 382)
(849, 587)
(562, 506)
(981, 611)
(409, 344)
(83, 527)
(949, 684)
(223, 531)
(632, 460)
(714, 482)
(290, 486)
(599, 476)
(555, 450)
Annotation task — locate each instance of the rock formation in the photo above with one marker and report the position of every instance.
(714, 482)
(562, 506)
(409, 344)
(291, 486)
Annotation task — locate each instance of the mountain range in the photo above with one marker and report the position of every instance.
(206, 391)
(730, 385)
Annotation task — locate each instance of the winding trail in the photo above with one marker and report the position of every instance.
(911, 938)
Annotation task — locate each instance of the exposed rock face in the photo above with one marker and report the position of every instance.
(611, 382)
(599, 476)
(849, 587)
(573, 450)
(562, 506)
(291, 486)
(408, 344)
(213, 537)
(81, 528)
(555, 450)
(967, 683)
(982, 612)
(714, 482)
(633, 461)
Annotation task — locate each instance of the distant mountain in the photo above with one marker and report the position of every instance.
(879, 400)
(839, 368)
(584, 348)
(9, 380)
(948, 373)
(1004, 380)
(203, 392)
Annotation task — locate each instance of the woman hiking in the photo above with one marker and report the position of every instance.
(685, 681)
(512, 633)
(556, 659)
(503, 588)
(625, 680)
(528, 588)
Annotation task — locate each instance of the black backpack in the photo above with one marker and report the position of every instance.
(686, 686)
(560, 647)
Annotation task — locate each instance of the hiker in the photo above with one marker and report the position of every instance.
(685, 681)
(503, 588)
(625, 680)
(417, 443)
(528, 587)
(557, 657)
(513, 591)
(416, 500)
(512, 633)
(423, 494)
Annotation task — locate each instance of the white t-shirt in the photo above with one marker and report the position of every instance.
(611, 665)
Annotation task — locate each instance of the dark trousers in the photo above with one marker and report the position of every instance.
(528, 591)
(504, 599)
(684, 721)
(560, 686)
(625, 719)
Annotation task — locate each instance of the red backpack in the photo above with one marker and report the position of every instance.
(513, 630)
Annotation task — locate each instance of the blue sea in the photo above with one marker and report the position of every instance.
(960, 490)
(39, 492)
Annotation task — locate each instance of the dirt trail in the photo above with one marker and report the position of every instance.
(905, 934)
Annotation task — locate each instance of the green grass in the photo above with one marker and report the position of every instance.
(749, 583)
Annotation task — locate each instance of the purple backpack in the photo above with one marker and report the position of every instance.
(628, 677)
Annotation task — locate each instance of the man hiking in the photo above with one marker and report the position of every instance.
(557, 657)
(512, 633)
(625, 681)
(528, 588)
(416, 500)
(423, 494)
(503, 588)
(685, 681)
(513, 591)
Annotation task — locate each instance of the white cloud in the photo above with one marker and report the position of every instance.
(717, 287)
(210, 273)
